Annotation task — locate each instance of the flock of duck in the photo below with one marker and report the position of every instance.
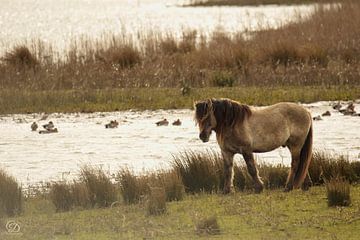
(349, 110)
(50, 127)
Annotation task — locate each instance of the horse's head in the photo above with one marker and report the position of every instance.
(204, 117)
(219, 115)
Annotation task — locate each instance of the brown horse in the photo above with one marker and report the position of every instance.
(242, 129)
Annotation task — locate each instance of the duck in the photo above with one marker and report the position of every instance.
(49, 125)
(337, 106)
(34, 126)
(112, 124)
(317, 118)
(164, 122)
(327, 113)
(52, 130)
(349, 110)
(177, 122)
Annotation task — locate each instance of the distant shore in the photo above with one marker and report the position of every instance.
(213, 3)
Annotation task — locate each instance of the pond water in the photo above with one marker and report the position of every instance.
(60, 22)
(137, 143)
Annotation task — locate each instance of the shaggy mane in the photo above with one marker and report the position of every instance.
(227, 112)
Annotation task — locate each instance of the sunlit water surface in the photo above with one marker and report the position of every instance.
(137, 143)
(61, 22)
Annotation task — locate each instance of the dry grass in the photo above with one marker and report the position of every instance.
(156, 204)
(322, 50)
(208, 226)
(338, 192)
(101, 190)
(11, 197)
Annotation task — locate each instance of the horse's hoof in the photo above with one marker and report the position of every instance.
(306, 187)
(259, 189)
(288, 189)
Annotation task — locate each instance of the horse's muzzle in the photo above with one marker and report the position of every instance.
(204, 137)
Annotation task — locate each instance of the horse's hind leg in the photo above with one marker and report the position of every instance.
(307, 183)
(295, 159)
(253, 171)
(228, 159)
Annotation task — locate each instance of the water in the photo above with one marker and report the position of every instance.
(60, 22)
(137, 143)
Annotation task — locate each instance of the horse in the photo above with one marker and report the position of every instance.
(243, 129)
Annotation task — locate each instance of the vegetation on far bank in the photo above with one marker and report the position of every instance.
(319, 52)
(91, 100)
(185, 203)
(212, 3)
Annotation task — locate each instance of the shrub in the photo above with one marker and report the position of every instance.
(188, 42)
(80, 194)
(100, 188)
(208, 226)
(168, 46)
(282, 53)
(11, 197)
(199, 171)
(20, 56)
(223, 79)
(338, 192)
(324, 166)
(274, 176)
(61, 196)
(133, 188)
(172, 183)
(156, 204)
(125, 56)
(317, 55)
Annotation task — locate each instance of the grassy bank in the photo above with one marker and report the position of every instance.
(185, 203)
(19, 101)
(212, 3)
(270, 215)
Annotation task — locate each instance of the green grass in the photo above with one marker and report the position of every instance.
(18, 101)
(270, 215)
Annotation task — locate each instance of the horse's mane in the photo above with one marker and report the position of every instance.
(227, 112)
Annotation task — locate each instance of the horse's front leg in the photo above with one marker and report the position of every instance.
(228, 159)
(253, 171)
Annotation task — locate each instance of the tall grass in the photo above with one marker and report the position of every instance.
(134, 188)
(93, 189)
(101, 190)
(319, 50)
(338, 192)
(11, 197)
(203, 171)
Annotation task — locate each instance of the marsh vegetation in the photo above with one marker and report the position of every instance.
(319, 52)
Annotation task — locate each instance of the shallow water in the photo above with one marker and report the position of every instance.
(61, 22)
(137, 142)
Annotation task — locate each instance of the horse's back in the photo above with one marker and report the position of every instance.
(279, 124)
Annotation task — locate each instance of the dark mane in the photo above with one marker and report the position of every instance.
(228, 112)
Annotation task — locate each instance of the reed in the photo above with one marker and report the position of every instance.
(338, 192)
(11, 197)
(321, 50)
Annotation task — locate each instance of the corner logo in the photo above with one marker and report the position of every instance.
(12, 227)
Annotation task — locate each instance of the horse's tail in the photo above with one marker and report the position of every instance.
(305, 158)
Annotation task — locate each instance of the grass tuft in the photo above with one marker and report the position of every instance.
(20, 57)
(338, 192)
(208, 226)
(11, 197)
(61, 196)
(156, 204)
(101, 190)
